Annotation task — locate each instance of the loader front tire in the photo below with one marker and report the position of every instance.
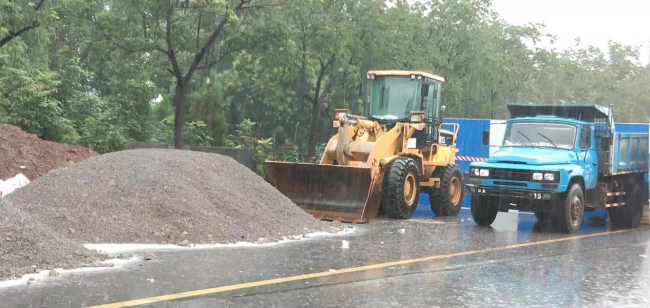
(401, 189)
(448, 198)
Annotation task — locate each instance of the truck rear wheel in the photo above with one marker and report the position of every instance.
(570, 212)
(401, 189)
(448, 198)
(630, 214)
(483, 212)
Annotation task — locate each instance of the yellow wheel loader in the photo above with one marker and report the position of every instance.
(384, 160)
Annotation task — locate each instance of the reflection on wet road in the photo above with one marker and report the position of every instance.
(554, 270)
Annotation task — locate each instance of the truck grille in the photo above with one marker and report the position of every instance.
(510, 174)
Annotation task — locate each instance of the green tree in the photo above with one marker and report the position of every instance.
(245, 138)
(27, 101)
(208, 105)
(20, 17)
(190, 35)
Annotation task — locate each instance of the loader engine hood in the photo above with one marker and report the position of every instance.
(533, 156)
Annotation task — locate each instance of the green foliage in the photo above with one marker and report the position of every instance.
(26, 99)
(244, 138)
(261, 153)
(196, 133)
(294, 155)
(104, 132)
(102, 73)
(208, 105)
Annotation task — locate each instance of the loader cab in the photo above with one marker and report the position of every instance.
(396, 95)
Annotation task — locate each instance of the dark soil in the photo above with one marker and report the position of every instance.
(27, 246)
(162, 196)
(18, 148)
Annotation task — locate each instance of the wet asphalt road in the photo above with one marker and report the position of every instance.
(611, 270)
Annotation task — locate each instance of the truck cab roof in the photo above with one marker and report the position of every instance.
(582, 113)
(548, 118)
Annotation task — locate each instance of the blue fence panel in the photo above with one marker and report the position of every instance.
(471, 148)
(470, 137)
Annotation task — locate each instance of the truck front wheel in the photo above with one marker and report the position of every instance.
(570, 211)
(483, 212)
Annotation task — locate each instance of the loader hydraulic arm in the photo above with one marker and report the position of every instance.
(343, 145)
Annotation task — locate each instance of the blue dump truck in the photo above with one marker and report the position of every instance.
(560, 161)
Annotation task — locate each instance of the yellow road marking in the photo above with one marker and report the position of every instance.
(253, 284)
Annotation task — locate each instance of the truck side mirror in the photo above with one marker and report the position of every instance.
(486, 137)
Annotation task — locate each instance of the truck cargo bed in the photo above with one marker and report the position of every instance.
(630, 153)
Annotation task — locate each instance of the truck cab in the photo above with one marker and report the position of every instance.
(556, 161)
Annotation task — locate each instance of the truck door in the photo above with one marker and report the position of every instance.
(588, 157)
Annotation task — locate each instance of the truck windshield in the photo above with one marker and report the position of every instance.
(394, 97)
(553, 135)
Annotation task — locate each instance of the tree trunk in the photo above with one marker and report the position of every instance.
(179, 116)
(315, 119)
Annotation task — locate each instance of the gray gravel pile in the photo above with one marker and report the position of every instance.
(163, 196)
(27, 246)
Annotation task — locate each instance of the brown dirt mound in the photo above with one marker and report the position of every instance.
(162, 196)
(18, 148)
(27, 246)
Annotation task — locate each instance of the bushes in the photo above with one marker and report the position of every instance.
(244, 138)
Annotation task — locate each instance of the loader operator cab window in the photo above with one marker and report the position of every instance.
(433, 111)
(392, 98)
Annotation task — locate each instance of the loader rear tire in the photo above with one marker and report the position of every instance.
(448, 198)
(401, 189)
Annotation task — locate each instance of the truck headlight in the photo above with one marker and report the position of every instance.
(475, 172)
(537, 176)
(484, 172)
(549, 177)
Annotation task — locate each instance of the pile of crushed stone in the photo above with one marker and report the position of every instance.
(25, 153)
(163, 197)
(27, 246)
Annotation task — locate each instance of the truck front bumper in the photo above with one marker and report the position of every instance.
(514, 199)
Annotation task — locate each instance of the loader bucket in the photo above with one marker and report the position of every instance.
(328, 192)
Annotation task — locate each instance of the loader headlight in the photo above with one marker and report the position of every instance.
(484, 172)
(338, 113)
(416, 118)
(538, 176)
(549, 177)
